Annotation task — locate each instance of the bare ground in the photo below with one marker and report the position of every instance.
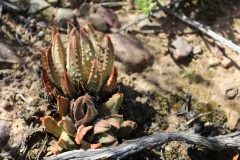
(150, 95)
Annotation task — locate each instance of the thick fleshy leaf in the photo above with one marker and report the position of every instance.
(47, 83)
(114, 123)
(54, 31)
(112, 81)
(73, 58)
(96, 145)
(78, 112)
(117, 117)
(81, 131)
(94, 39)
(51, 70)
(82, 87)
(126, 128)
(101, 126)
(88, 53)
(51, 125)
(67, 125)
(89, 116)
(103, 138)
(67, 86)
(59, 54)
(108, 59)
(70, 27)
(44, 60)
(95, 78)
(71, 109)
(67, 142)
(63, 105)
(87, 105)
(115, 120)
(112, 105)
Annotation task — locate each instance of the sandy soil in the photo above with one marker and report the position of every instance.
(150, 94)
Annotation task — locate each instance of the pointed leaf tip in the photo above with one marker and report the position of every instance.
(67, 86)
(51, 125)
(63, 105)
(82, 130)
(112, 106)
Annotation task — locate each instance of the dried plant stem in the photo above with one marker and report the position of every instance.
(200, 26)
(23, 98)
(7, 78)
(132, 23)
(134, 146)
(195, 118)
(16, 36)
(113, 4)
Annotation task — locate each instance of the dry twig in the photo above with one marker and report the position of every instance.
(134, 146)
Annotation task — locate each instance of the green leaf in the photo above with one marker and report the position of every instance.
(112, 105)
(146, 6)
(104, 138)
(188, 73)
(126, 127)
(67, 142)
(67, 125)
(51, 125)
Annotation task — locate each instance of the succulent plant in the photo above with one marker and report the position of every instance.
(82, 79)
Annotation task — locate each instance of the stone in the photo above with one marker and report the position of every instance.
(180, 48)
(98, 22)
(83, 10)
(40, 34)
(4, 133)
(73, 4)
(130, 51)
(197, 49)
(109, 16)
(64, 15)
(226, 62)
(233, 118)
(7, 56)
(37, 5)
(5, 104)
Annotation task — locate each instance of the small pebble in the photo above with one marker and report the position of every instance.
(40, 34)
(213, 62)
(42, 24)
(197, 49)
(98, 22)
(226, 62)
(153, 125)
(5, 104)
(180, 48)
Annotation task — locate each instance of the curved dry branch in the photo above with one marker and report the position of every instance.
(230, 141)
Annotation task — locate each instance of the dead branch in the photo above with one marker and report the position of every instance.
(199, 26)
(223, 142)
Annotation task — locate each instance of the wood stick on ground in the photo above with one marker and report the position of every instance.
(200, 26)
(224, 142)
